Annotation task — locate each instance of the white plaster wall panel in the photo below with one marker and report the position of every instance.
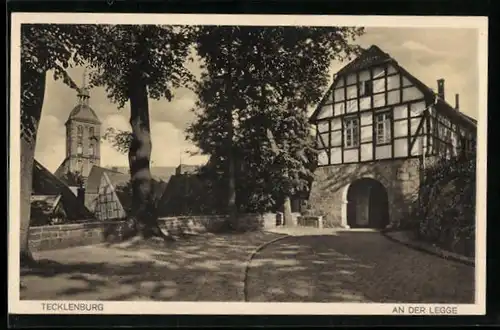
(323, 158)
(393, 97)
(417, 146)
(366, 118)
(366, 133)
(339, 94)
(351, 155)
(406, 82)
(414, 125)
(339, 108)
(379, 85)
(378, 100)
(401, 111)
(400, 128)
(391, 69)
(336, 155)
(412, 93)
(326, 111)
(336, 138)
(378, 72)
(383, 152)
(336, 124)
(323, 126)
(352, 106)
(366, 151)
(400, 147)
(352, 92)
(351, 78)
(417, 108)
(365, 103)
(393, 82)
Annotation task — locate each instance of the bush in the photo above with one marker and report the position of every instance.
(445, 215)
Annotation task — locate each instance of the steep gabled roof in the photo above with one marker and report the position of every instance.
(375, 56)
(368, 58)
(46, 183)
(95, 175)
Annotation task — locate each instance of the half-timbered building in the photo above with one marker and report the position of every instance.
(376, 127)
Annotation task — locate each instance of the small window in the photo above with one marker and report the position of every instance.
(79, 149)
(351, 131)
(366, 88)
(91, 150)
(383, 128)
(91, 131)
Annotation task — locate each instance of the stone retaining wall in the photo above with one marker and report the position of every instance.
(64, 236)
(215, 223)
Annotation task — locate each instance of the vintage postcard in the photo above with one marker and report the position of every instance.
(247, 164)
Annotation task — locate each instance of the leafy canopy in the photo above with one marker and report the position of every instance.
(264, 79)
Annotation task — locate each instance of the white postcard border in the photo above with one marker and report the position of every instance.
(207, 308)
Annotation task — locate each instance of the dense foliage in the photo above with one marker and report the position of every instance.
(252, 105)
(136, 63)
(446, 212)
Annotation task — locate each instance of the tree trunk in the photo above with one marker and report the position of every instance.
(231, 202)
(33, 91)
(232, 209)
(143, 209)
(287, 212)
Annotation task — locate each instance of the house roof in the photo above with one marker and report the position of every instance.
(45, 204)
(95, 176)
(375, 56)
(183, 168)
(159, 173)
(47, 184)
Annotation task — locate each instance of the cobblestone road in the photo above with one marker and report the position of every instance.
(355, 267)
(203, 268)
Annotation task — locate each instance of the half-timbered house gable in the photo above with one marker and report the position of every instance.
(375, 109)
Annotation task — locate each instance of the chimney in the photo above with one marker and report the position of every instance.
(441, 88)
(457, 104)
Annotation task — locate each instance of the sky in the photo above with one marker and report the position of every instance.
(427, 53)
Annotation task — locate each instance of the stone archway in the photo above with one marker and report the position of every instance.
(366, 204)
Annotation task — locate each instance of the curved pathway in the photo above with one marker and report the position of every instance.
(354, 266)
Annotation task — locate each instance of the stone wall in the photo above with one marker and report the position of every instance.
(400, 177)
(64, 236)
(215, 223)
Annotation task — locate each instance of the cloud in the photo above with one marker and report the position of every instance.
(51, 142)
(428, 53)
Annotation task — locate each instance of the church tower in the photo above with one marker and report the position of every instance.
(83, 135)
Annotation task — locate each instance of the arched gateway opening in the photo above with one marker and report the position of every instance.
(367, 204)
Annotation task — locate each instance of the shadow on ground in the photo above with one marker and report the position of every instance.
(199, 268)
(355, 267)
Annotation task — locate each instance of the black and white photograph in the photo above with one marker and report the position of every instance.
(233, 163)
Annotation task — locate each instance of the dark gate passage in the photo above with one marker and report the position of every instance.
(367, 204)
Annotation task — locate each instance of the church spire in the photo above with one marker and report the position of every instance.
(83, 92)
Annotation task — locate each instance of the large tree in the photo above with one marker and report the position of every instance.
(44, 48)
(274, 74)
(218, 93)
(136, 63)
